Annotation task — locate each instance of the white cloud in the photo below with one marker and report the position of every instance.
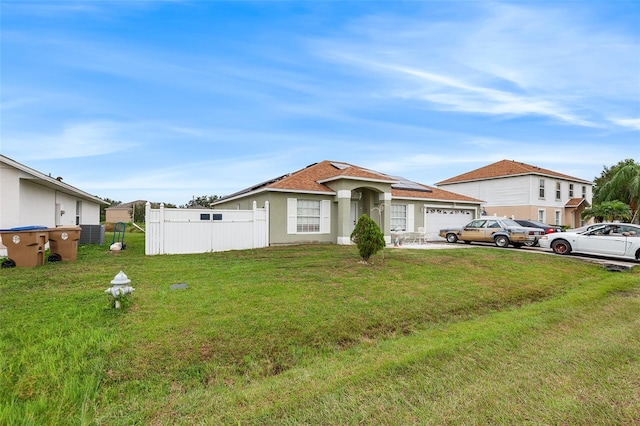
(632, 123)
(462, 96)
(86, 139)
(501, 59)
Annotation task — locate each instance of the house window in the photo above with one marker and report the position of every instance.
(542, 216)
(570, 190)
(308, 216)
(399, 217)
(558, 217)
(558, 190)
(541, 188)
(584, 191)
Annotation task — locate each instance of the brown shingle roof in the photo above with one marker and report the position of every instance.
(506, 168)
(433, 194)
(311, 177)
(575, 202)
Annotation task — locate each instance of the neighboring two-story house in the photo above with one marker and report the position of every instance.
(523, 191)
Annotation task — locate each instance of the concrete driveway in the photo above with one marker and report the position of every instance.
(612, 264)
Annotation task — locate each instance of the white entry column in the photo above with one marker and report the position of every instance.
(344, 217)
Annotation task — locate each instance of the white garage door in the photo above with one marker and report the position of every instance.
(436, 219)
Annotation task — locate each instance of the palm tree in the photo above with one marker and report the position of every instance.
(624, 184)
(608, 211)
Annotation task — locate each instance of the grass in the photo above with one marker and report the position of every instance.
(307, 335)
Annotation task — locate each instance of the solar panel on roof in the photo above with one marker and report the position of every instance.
(340, 166)
(408, 184)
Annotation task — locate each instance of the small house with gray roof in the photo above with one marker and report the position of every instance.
(31, 198)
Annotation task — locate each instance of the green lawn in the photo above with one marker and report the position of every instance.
(307, 335)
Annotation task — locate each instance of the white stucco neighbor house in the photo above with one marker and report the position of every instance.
(322, 203)
(29, 197)
(510, 188)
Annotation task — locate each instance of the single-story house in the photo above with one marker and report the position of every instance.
(523, 191)
(29, 197)
(123, 212)
(323, 201)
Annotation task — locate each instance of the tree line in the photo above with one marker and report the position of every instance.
(616, 194)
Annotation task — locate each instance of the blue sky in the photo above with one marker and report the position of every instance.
(164, 100)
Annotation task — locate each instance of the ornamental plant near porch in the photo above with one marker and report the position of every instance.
(368, 237)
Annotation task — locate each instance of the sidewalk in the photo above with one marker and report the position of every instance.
(433, 245)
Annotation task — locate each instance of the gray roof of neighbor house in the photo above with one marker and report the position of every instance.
(507, 168)
(51, 182)
(127, 205)
(313, 179)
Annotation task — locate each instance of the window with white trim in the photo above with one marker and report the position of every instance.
(305, 216)
(308, 216)
(541, 188)
(570, 190)
(399, 217)
(558, 217)
(584, 192)
(541, 216)
(558, 192)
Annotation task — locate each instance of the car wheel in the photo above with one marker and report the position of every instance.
(561, 247)
(452, 238)
(530, 243)
(501, 241)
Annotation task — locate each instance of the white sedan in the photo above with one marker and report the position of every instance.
(611, 239)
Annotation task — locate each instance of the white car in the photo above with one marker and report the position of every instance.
(611, 239)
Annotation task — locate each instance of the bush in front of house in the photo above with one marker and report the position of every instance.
(368, 237)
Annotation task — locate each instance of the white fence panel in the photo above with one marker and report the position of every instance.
(182, 231)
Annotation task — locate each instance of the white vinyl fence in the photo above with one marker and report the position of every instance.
(182, 231)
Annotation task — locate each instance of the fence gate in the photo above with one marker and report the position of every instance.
(183, 231)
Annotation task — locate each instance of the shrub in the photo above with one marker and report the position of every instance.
(368, 237)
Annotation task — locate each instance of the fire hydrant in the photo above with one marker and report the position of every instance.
(119, 287)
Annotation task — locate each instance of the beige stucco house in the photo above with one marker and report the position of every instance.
(123, 212)
(523, 191)
(322, 203)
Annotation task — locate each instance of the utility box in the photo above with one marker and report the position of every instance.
(25, 245)
(63, 243)
(92, 234)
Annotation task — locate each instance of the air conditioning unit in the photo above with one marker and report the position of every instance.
(91, 234)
